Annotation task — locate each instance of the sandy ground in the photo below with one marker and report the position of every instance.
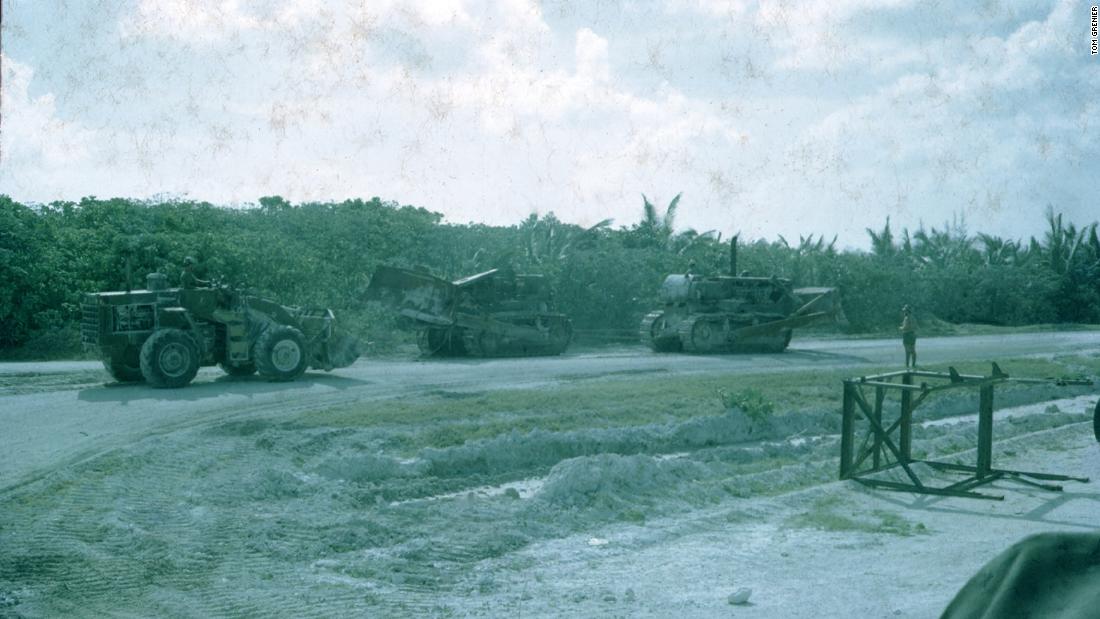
(214, 500)
(62, 412)
(681, 567)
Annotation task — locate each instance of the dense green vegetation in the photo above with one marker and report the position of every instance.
(605, 278)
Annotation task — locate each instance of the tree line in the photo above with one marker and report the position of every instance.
(605, 278)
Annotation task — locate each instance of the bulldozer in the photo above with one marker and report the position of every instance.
(162, 335)
(497, 313)
(733, 313)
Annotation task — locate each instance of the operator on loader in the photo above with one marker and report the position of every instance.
(188, 279)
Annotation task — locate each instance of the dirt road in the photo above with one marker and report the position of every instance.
(63, 412)
(243, 498)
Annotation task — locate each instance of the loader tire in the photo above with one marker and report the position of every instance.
(280, 353)
(169, 359)
(124, 365)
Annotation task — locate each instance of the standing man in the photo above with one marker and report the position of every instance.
(908, 336)
(188, 278)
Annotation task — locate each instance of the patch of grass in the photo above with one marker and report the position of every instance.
(440, 419)
(634, 372)
(824, 516)
(890, 522)
(33, 382)
(751, 402)
(455, 395)
(622, 402)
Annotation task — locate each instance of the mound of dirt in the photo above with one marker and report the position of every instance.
(609, 480)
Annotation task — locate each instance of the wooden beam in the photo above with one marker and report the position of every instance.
(847, 431)
(884, 438)
(893, 485)
(880, 395)
(985, 431)
(905, 421)
(898, 386)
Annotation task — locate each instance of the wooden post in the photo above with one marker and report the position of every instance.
(880, 395)
(847, 431)
(985, 431)
(905, 428)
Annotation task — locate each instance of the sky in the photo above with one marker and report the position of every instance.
(769, 116)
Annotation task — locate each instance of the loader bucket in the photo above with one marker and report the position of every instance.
(342, 349)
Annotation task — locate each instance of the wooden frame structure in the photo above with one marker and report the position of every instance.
(888, 444)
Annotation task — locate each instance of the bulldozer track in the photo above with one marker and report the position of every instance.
(703, 334)
(486, 343)
(645, 333)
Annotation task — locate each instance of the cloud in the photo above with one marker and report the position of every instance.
(817, 35)
(770, 118)
(35, 140)
(995, 137)
(211, 21)
(713, 8)
(189, 20)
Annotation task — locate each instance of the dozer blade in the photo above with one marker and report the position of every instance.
(413, 294)
(818, 303)
(775, 326)
(825, 301)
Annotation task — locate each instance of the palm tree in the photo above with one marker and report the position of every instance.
(808, 256)
(654, 228)
(1002, 252)
(688, 239)
(1061, 242)
(882, 243)
(549, 240)
(942, 248)
(1074, 257)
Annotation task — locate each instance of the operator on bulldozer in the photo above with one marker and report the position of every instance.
(188, 279)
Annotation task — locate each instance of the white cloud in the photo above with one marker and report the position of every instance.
(817, 36)
(37, 145)
(488, 110)
(996, 133)
(591, 54)
(188, 20)
(713, 8)
(211, 21)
